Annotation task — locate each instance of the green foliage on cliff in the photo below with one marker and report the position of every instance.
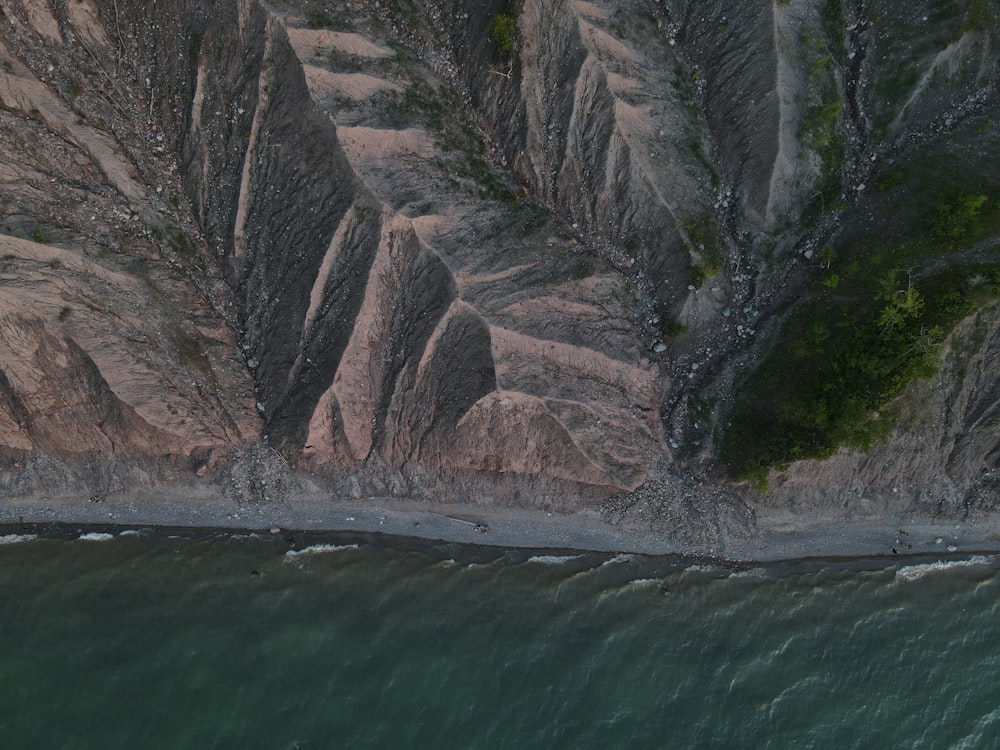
(705, 244)
(884, 298)
(820, 125)
(819, 128)
(841, 361)
(481, 176)
(503, 31)
(441, 110)
(959, 217)
(833, 26)
(319, 20)
(880, 311)
(194, 47)
(981, 15)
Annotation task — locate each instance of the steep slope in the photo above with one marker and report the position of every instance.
(377, 337)
(771, 146)
(106, 350)
(542, 252)
(388, 313)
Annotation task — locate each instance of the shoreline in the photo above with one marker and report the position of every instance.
(787, 539)
(297, 541)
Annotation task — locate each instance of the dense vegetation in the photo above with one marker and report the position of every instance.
(876, 322)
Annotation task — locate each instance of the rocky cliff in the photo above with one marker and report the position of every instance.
(539, 253)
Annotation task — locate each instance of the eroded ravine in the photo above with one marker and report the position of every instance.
(408, 255)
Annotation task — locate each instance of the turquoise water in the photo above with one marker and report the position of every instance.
(230, 643)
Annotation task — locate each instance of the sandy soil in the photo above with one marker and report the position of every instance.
(312, 42)
(380, 143)
(354, 86)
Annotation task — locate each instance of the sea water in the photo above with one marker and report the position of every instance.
(144, 641)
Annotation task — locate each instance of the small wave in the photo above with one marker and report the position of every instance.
(552, 559)
(15, 538)
(753, 573)
(643, 581)
(318, 549)
(95, 536)
(129, 532)
(700, 568)
(618, 560)
(913, 572)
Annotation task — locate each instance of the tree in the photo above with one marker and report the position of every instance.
(901, 304)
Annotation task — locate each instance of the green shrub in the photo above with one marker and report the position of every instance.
(319, 20)
(194, 47)
(959, 217)
(503, 31)
(190, 352)
(890, 178)
(757, 475)
(833, 25)
(704, 240)
(819, 131)
(982, 15)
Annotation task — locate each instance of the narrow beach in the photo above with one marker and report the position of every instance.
(791, 539)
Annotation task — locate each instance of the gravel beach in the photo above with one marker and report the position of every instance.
(773, 539)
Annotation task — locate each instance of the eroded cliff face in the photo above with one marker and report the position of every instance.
(423, 257)
(387, 312)
(109, 348)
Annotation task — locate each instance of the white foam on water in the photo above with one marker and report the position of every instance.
(16, 538)
(318, 549)
(491, 563)
(754, 573)
(552, 559)
(618, 560)
(915, 572)
(643, 581)
(698, 568)
(129, 532)
(95, 536)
